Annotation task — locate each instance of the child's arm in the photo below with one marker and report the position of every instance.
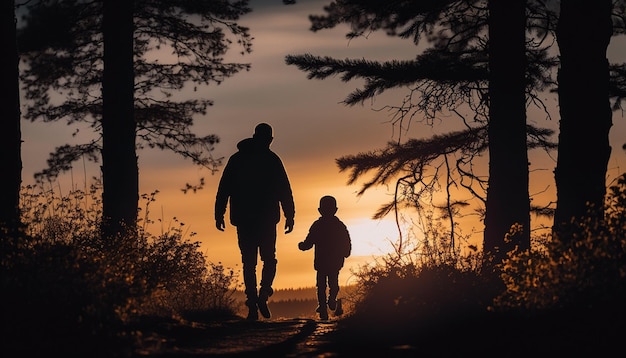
(309, 241)
(305, 245)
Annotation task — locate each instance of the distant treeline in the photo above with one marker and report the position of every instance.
(291, 294)
(293, 308)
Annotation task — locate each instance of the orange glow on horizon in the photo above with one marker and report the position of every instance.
(370, 238)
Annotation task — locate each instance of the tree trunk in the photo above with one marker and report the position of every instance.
(120, 172)
(10, 131)
(508, 200)
(583, 35)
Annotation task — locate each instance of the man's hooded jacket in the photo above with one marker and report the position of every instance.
(257, 185)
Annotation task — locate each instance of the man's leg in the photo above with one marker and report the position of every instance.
(248, 248)
(268, 257)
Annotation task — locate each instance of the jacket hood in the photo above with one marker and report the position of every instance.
(251, 144)
(246, 145)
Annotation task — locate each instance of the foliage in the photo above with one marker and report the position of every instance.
(565, 296)
(448, 80)
(178, 45)
(69, 290)
(448, 77)
(428, 282)
(450, 71)
(210, 294)
(419, 167)
(433, 278)
(587, 270)
(53, 217)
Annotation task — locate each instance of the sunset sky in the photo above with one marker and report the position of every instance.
(311, 128)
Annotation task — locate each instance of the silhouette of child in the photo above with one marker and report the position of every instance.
(332, 244)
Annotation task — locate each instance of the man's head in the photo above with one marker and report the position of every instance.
(263, 133)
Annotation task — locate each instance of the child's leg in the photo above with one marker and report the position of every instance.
(333, 285)
(321, 288)
(321, 295)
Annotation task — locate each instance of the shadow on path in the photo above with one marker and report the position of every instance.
(298, 337)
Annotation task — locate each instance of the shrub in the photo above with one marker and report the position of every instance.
(432, 284)
(68, 291)
(584, 269)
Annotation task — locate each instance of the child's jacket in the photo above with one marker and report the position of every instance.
(332, 243)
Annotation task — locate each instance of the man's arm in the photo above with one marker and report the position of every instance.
(286, 197)
(289, 225)
(221, 198)
(220, 224)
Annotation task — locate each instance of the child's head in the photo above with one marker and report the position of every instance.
(328, 206)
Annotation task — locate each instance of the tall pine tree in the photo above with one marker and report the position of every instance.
(586, 116)
(116, 66)
(10, 132)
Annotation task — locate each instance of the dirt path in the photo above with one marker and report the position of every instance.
(295, 338)
(317, 343)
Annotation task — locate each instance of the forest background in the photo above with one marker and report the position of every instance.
(313, 129)
(114, 273)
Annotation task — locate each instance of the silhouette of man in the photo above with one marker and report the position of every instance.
(257, 185)
(332, 243)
